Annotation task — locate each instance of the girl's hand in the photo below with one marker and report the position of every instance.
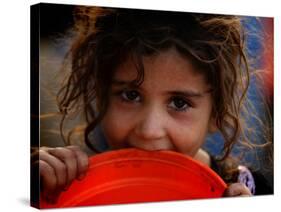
(58, 168)
(237, 189)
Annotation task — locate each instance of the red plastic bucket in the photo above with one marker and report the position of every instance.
(133, 175)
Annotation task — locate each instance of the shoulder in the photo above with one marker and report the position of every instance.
(231, 172)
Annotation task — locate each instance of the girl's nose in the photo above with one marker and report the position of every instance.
(151, 125)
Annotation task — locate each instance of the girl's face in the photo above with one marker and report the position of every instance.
(170, 110)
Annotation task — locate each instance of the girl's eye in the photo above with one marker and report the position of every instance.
(179, 104)
(131, 96)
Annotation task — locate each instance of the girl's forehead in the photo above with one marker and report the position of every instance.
(167, 67)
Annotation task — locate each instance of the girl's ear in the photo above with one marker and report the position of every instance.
(212, 125)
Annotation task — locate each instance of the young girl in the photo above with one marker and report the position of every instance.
(153, 80)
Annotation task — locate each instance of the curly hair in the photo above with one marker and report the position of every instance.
(106, 37)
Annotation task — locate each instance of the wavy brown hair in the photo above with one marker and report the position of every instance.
(106, 37)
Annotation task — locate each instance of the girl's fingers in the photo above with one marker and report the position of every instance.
(82, 161)
(59, 168)
(48, 176)
(68, 157)
(237, 189)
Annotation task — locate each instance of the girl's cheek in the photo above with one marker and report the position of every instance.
(185, 137)
(116, 126)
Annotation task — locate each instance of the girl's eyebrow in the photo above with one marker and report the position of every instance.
(120, 82)
(186, 93)
(123, 82)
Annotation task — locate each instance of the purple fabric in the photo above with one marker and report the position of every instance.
(246, 177)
